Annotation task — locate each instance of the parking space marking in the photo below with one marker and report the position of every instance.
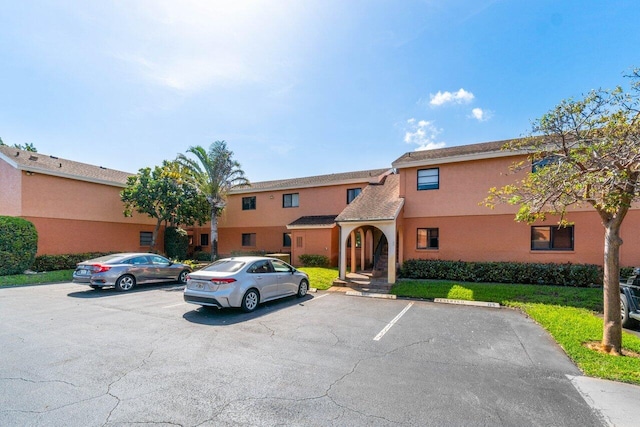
(390, 324)
(175, 305)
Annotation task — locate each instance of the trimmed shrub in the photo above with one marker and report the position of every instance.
(578, 275)
(309, 260)
(176, 243)
(63, 262)
(18, 245)
(202, 256)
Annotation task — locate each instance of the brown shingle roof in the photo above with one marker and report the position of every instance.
(372, 175)
(461, 152)
(376, 202)
(51, 165)
(314, 221)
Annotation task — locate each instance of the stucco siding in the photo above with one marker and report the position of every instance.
(10, 190)
(500, 238)
(65, 236)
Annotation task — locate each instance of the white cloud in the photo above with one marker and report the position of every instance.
(481, 115)
(459, 97)
(423, 133)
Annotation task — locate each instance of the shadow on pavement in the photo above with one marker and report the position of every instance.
(230, 316)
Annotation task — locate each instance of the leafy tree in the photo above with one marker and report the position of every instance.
(164, 194)
(588, 153)
(27, 147)
(215, 173)
(18, 245)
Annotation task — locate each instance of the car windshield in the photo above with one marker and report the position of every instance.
(225, 265)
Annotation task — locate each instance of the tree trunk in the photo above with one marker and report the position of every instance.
(612, 327)
(214, 234)
(154, 236)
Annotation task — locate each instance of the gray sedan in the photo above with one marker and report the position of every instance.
(244, 282)
(126, 270)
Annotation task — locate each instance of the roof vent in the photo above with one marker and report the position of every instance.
(59, 165)
(32, 157)
(17, 153)
(53, 157)
(102, 167)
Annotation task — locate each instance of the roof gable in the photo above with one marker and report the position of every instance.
(377, 202)
(51, 165)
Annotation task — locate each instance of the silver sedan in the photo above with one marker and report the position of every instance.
(126, 270)
(244, 282)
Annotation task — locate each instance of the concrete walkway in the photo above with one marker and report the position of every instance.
(618, 403)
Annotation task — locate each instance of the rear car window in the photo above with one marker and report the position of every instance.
(227, 266)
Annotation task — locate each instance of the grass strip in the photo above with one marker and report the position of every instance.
(570, 315)
(36, 279)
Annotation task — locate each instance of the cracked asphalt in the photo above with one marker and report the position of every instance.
(71, 356)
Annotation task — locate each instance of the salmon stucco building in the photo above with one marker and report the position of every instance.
(427, 205)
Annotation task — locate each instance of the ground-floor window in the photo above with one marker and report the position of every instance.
(204, 239)
(248, 239)
(428, 238)
(552, 238)
(145, 238)
(286, 240)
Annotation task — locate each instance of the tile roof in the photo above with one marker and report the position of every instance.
(461, 152)
(376, 202)
(52, 165)
(314, 221)
(372, 175)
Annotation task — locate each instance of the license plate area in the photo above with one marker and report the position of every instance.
(198, 285)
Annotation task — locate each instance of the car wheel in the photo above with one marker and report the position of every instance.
(125, 283)
(250, 301)
(182, 278)
(303, 288)
(96, 287)
(627, 322)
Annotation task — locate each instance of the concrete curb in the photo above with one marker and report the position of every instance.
(369, 295)
(464, 302)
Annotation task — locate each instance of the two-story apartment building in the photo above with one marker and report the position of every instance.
(427, 205)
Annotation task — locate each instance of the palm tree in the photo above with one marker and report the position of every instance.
(215, 173)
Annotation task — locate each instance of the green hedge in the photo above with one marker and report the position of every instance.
(309, 260)
(63, 262)
(18, 245)
(578, 275)
(176, 243)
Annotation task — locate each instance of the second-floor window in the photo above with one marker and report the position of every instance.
(352, 193)
(248, 203)
(429, 179)
(290, 200)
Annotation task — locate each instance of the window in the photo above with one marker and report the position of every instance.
(290, 200)
(551, 238)
(352, 193)
(260, 267)
(429, 179)
(204, 239)
(248, 239)
(539, 164)
(280, 266)
(428, 238)
(145, 238)
(286, 240)
(248, 203)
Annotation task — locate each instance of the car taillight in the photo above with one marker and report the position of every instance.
(99, 268)
(222, 281)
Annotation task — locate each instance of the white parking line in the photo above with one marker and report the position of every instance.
(175, 305)
(390, 324)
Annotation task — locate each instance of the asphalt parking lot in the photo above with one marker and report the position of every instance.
(72, 356)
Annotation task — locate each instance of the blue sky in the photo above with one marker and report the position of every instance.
(297, 88)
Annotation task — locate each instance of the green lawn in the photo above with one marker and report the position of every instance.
(319, 277)
(35, 279)
(570, 315)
